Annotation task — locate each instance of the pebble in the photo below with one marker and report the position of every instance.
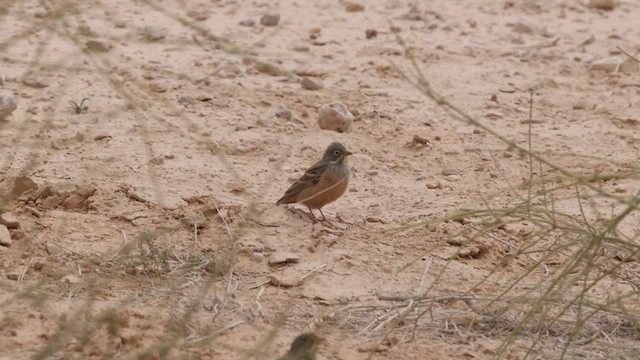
(7, 106)
(13, 275)
(375, 219)
(453, 178)
(186, 99)
(229, 72)
(285, 279)
(85, 30)
(371, 33)
(266, 121)
(257, 256)
(448, 172)
(607, 5)
(282, 257)
(97, 46)
(270, 19)
(523, 27)
(335, 116)
(22, 184)
(434, 185)
(299, 47)
(311, 83)
(79, 199)
(152, 33)
(247, 23)
(579, 105)
(35, 82)
(353, 7)
(283, 113)
(198, 15)
(71, 279)
(9, 221)
(158, 86)
(5, 236)
(53, 249)
(615, 63)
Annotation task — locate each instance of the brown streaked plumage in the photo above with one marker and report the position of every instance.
(303, 347)
(323, 183)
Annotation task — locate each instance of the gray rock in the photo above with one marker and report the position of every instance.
(311, 83)
(5, 236)
(9, 221)
(35, 82)
(614, 64)
(335, 116)
(283, 113)
(270, 19)
(7, 106)
(281, 257)
(154, 34)
(247, 23)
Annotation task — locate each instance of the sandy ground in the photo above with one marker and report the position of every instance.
(181, 133)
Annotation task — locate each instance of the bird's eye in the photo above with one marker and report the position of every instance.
(336, 153)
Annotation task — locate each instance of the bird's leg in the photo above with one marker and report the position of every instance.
(323, 217)
(312, 216)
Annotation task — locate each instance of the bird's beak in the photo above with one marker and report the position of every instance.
(347, 153)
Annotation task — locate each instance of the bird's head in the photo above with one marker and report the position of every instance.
(336, 152)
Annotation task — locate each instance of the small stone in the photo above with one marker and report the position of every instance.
(266, 121)
(285, 279)
(294, 176)
(375, 219)
(7, 106)
(53, 249)
(434, 185)
(79, 199)
(186, 99)
(335, 116)
(371, 33)
(615, 64)
(35, 82)
(242, 148)
(22, 184)
(85, 30)
(282, 257)
(283, 113)
(9, 221)
(494, 115)
(298, 47)
(71, 279)
(353, 7)
(247, 23)
(229, 72)
(311, 83)
(33, 211)
(257, 257)
(606, 5)
(448, 172)
(13, 275)
(453, 178)
(5, 236)
(97, 46)
(152, 33)
(158, 86)
(579, 105)
(198, 15)
(270, 19)
(523, 27)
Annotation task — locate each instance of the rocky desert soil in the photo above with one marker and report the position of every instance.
(141, 223)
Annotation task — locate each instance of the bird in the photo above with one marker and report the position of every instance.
(303, 347)
(322, 183)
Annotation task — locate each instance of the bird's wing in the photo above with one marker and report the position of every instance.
(310, 178)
